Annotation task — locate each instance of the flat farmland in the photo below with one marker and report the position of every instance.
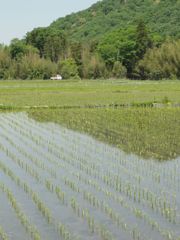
(89, 160)
(84, 93)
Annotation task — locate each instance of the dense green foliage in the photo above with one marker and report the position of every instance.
(50, 43)
(162, 16)
(119, 45)
(127, 46)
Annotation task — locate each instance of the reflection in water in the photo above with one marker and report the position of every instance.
(72, 185)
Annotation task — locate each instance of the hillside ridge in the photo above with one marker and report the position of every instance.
(161, 16)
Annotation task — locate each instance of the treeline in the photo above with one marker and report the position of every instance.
(133, 52)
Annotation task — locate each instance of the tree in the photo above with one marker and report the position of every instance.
(119, 45)
(143, 40)
(18, 49)
(37, 39)
(76, 49)
(51, 43)
(55, 46)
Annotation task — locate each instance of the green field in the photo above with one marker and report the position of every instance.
(119, 112)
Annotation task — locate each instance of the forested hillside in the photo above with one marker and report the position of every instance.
(113, 38)
(162, 16)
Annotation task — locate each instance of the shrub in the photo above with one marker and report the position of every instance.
(34, 67)
(119, 71)
(5, 62)
(162, 62)
(93, 66)
(68, 68)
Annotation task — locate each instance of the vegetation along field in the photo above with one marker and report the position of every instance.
(90, 160)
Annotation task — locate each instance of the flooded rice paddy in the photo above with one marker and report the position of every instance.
(59, 184)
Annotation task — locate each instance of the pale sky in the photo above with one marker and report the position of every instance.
(17, 17)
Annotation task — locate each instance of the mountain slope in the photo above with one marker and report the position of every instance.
(161, 16)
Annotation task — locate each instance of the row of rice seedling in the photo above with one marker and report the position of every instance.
(120, 200)
(83, 213)
(43, 209)
(164, 205)
(117, 184)
(36, 161)
(56, 154)
(96, 203)
(104, 233)
(65, 183)
(31, 229)
(28, 168)
(34, 136)
(40, 205)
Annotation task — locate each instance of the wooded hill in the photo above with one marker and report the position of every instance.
(161, 16)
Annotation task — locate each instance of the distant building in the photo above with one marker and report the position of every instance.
(57, 77)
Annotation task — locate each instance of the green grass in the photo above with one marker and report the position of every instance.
(82, 93)
(88, 106)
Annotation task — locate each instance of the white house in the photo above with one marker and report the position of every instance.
(57, 77)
